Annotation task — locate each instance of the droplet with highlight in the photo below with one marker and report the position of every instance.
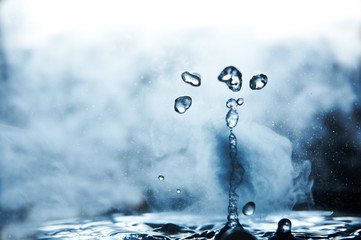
(161, 177)
(249, 208)
(232, 118)
(178, 190)
(193, 79)
(182, 104)
(240, 101)
(232, 77)
(284, 226)
(258, 82)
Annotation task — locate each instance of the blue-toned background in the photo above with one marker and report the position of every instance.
(87, 122)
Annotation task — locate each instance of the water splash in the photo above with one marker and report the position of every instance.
(182, 104)
(258, 82)
(193, 79)
(232, 77)
(249, 208)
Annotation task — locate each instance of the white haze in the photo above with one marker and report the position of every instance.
(92, 85)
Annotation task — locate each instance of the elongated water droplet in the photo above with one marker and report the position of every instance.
(193, 79)
(240, 101)
(178, 190)
(258, 82)
(232, 77)
(161, 177)
(232, 118)
(231, 103)
(182, 104)
(249, 208)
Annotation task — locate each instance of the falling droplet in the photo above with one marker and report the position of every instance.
(284, 226)
(240, 101)
(249, 208)
(232, 118)
(258, 82)
(161, 177)
(232, 77)
(178, 190)
(231, 103)
(181, 104)
(193, 79)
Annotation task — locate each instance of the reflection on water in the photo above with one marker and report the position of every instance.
(305, 225)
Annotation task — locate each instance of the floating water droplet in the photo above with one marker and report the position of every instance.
(249, 208)
(161, 177)
(258, 82)
(182, 104)
(240, 101)
(232, 118)
(178, 190)
(232, 77)
(193, 79)
(284, 226)
(231, 103)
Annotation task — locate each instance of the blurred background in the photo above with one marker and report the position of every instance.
(87, 120)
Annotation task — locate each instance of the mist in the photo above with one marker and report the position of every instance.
(87, 120)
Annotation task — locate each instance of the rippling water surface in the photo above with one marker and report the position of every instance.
(305, 225)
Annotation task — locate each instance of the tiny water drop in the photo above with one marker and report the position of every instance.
(193, 79)
(232, 77)
(249, 208)
(182, 104)
(178, 190)
(258, 82)
(240, 101)
(161, 177)
(231, 103)
(232, 118)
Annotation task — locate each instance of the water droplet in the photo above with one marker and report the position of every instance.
(161, 177)
(193, 79)
(258, 82)
(232, 118)
(249, 208)
(284, 226)
(178, 190)
(240, 101)
(232, 77)
(181, 104)
(231, 103)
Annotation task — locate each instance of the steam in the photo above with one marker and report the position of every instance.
(90, 125)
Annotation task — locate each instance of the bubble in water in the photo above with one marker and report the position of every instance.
(182, 104)
(240, 101)
(178, 190)
(161, 177)
(258, 82)
(232, 118)
(249, 208)
(193, 79)
(231, 103)
(232, 77)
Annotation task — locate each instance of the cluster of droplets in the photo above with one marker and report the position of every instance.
(182, 104)
(232, 77)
